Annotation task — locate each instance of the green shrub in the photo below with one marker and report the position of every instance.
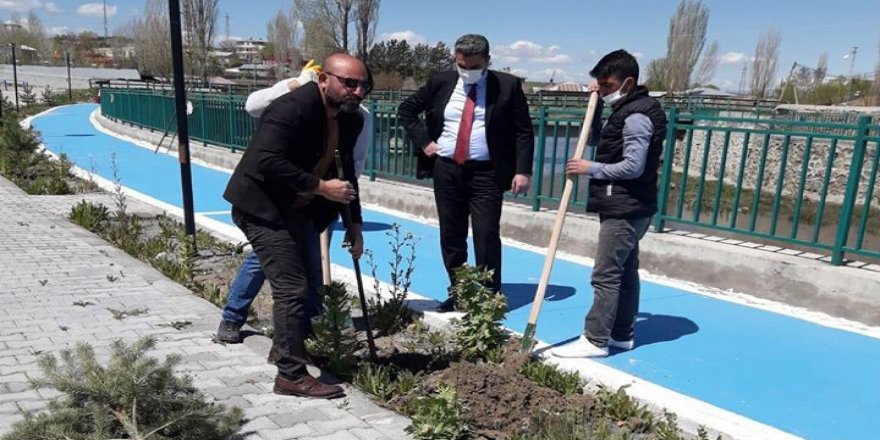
(133, 396)
(622, 409)
(376, 381)
(438, 417)
(91, 216)
(389, 316)
(479, 335)
(550, 377)
(334, 335)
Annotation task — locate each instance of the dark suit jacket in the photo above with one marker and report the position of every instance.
(274, 178)
(509, 131)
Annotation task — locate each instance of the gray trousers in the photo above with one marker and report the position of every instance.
(615, 280)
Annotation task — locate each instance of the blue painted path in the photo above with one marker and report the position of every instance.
(800, 377)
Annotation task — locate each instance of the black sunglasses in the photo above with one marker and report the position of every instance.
(352, 83)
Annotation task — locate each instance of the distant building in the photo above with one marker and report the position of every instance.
(249, 49)
(245, 71)
(567, 86)
(116, 52)
(224, 58)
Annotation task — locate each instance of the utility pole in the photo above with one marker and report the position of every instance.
(106, 33)
(227, 28)
(787, 83)
(852, 64)
(182, 122)
(852, 60)
(742, 79)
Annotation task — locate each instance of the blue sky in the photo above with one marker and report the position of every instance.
(538, 38)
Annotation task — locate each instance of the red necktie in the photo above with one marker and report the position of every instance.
(463, 141)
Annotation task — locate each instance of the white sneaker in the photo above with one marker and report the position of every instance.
(582, 347)
(623, 345)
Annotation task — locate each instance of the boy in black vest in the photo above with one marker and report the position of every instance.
(623, 191)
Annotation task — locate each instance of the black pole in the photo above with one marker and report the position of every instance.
(180, 110)
(15, 77)
(69, 88)
(346, 221)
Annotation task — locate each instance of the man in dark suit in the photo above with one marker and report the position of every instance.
(476, 141)
(286, 179)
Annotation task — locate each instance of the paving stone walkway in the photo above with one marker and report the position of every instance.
(49, 263)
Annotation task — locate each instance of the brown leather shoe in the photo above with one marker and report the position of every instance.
(307, 386)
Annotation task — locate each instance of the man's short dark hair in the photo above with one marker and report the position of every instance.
(619, 64)
(472, 44)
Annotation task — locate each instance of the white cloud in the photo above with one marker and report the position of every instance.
(20, 5)
(529, 52)
(520, 72)
(52, 8)
(409, 36)
(58, 30)
(558, 75)
(638, 55)
(733, 58)
(96, 10)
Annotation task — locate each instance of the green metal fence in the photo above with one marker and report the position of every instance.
(801, 184)
(810, 186)
(216, 119)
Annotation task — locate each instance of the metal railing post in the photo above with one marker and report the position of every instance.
(542, 146)
(666, 174)
(852, 190)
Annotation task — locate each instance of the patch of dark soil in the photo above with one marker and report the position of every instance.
(498, 401)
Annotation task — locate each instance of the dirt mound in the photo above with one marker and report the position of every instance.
(498, 401)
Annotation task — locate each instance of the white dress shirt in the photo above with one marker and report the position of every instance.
(259, 100)
(479, 148)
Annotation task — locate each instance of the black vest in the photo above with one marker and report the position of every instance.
(634, 198)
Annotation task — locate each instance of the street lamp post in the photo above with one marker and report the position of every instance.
(182, 122)
(69, 87)
(15, 77)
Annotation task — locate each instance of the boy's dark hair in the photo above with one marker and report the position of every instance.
(619, 64)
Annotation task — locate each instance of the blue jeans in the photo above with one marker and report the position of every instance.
(250, 278)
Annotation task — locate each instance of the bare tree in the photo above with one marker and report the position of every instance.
(366, 19)
(687, 36)
(282, 38)
(331, 17)
(341, 15)
(655, 74)
(708, 65)
(152, 40)
(764, 64)
(876, 86)
(821, 70)
(28, 34)
(317, 39)
(200, 22)
(36, 34)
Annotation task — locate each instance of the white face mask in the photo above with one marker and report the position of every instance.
(470, 76)
(611, 98)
